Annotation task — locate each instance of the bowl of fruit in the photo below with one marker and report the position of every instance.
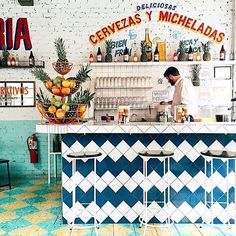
(56, 111)
(62, 87)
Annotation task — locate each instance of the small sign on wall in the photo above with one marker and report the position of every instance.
(222, 72)
(17, 94)
(159, 95)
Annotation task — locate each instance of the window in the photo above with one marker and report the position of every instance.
(17, 94)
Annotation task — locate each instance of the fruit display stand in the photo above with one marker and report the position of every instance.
(59, 110)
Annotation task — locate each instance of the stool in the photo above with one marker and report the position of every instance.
(210, 156)
(8, 173)
(146, 155)
(85, 156)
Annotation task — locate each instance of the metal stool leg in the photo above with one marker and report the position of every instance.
(168, 191)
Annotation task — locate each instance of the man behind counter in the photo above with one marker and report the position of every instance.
(184, 93)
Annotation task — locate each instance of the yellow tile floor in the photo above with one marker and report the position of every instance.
(33, 208)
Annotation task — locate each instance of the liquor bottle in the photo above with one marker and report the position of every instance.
(190, 54)
(198, 55)
(91, 57)
(31, 59)
(135, 49)
(17, 60)
(175, 56)
(126, 55)
(135, 57)
(222, 53)
(99, 55)
(148, 45)
(156, 54)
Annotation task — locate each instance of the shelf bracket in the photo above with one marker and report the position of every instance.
(26, 2)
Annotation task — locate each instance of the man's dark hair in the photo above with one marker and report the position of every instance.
(171, 71)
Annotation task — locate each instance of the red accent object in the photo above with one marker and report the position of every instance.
(91, 57)
(32, 143)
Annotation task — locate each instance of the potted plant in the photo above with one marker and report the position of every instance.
(5, 55)
(143, 57)
(83, 98)
(206, 47)
(108, 57)
(196, 72)
(181, 51)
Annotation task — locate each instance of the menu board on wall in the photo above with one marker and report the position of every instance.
(17, 94)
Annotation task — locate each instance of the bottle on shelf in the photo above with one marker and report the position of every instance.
(148, 45)
(126, 55)
(175, 56)
(198, 55)
(222, 53)
(17, 60)
(9, 61)
(91, 57)
(135, 50)
(31, 59)
(99, 55)
(135, 57)
(232, 55)
(13, 61)
(190, 54)
(156, 54)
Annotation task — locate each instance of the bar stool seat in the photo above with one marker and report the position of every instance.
(151, 154)
(84, 156)
(2, 161)
(210, 156)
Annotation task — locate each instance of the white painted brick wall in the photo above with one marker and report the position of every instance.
(76, 20)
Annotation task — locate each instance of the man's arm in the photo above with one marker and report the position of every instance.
(165, 103)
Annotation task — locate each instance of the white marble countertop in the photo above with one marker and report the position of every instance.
(139, 127)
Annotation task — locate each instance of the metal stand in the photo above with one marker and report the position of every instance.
(85, 156)
(165, 155)
(55, 155)
(210, 156)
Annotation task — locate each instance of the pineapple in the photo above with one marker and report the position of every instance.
(181, 51)
(42, 98)
(108, 57)
(84, 97)
(40, 74)
(196, 72)
(61, 53)
(43, 103)
(206, 47)
(143, 52)
(83, 75)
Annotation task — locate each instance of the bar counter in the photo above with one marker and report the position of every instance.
(119, 169)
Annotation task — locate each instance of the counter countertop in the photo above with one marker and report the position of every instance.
(139, 128)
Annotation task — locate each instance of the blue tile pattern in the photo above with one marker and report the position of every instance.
(120, 179)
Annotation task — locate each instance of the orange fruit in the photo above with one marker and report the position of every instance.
(60, 114)
(52, 109)
(56, 90)
(65, 91)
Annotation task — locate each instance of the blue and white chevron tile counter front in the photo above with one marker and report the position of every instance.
(119, 170)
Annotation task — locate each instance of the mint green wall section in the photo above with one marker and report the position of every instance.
(13, 146)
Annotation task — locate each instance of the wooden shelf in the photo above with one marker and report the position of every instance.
(163, 63)
(24, 64)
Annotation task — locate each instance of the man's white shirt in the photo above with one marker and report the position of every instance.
(185, 94)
